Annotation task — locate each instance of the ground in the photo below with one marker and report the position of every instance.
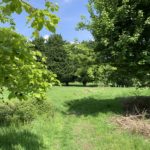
(82, 120)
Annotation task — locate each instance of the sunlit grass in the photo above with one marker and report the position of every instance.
(81, 121)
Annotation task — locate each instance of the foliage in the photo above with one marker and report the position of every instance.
(20, 72)
(73, 61)
(120, 29)
(87, 69)
(57, 57)
(39, 44)
(37, 18)
(103, 74)
(58, 60)
(17, 112)
(83, 58)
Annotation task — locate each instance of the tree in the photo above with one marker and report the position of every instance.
(83, 59)
(121, 31)
(58, 59)
(57, 55)
(39, 44)
(20, 72)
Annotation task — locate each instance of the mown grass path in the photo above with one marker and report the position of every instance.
(81, 121)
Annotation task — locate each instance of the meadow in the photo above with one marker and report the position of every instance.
(81, 120)
(113, 52)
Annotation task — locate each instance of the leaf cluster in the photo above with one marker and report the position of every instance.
(20, 72)
(37, 18)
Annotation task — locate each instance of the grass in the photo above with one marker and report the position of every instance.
(81, 121)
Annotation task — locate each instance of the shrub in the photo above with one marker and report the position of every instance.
(43, 107)
(15, 112)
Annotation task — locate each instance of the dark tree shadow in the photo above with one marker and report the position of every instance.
(136, 105)
(12, 140)
(91, 106)
(120, 105)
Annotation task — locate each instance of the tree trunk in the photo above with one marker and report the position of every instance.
(84, 83)
(67, 83)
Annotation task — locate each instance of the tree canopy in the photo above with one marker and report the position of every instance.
(20, 71)
(121, 31)
(58, 60)
(37, 18)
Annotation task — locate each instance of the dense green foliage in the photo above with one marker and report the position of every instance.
(21, 112)
(58, 60)
(83, 59)
(121, 31)
(57, 57)
(73, 61)
(20, 72)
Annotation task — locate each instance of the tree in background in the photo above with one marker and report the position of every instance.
(121, 31)
(73, 61)
(58, 60)
(83, 59)
(57, 57)
(39, 44)
(20, 72)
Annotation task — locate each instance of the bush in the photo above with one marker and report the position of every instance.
(16, 112)
(43, 107)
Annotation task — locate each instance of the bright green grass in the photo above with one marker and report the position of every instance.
(81, 121)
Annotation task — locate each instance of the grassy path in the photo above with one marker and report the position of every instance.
(84, 120)
(81, 122)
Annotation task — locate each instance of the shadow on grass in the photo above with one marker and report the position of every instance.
(11, 139)
(91, 106)
(120, 105)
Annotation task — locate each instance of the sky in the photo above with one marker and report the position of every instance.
(70, 12)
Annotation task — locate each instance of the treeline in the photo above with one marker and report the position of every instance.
(70, 62)
(83, 62)
(120, 53)
(78, 62)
